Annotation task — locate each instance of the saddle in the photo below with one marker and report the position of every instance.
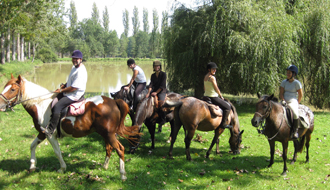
(303, 116)
(215, 110)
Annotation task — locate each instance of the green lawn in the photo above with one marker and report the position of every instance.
(84, 158)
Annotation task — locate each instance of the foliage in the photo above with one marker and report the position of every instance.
(252, 42)
(46, 56)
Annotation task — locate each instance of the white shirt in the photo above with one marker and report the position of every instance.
(140, 77)
(77, 79)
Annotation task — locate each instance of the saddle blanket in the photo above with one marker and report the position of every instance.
(77, 108)
(303, 115)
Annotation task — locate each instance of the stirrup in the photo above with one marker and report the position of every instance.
(295, 135)
(49, 133)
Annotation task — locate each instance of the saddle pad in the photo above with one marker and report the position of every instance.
(77, 108)
(303, 115)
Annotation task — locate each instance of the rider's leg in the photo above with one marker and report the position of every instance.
(293, 104)
(138, 89)
(226, 107)
(162, 114)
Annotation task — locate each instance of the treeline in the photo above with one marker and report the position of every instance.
(253, 42)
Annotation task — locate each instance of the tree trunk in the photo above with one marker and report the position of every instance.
(8, 45)
(18, 48)
(2, 48)
(29, 50)
(13, 47)
(22, 49)
(33, 51)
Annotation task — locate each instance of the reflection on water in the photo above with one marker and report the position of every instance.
(101, 78)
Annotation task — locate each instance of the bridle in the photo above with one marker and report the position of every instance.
(9, 101)
(266, 115)
(10, 104)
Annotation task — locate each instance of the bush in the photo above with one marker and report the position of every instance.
(46, 56)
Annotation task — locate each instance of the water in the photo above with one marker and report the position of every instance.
(102, 78)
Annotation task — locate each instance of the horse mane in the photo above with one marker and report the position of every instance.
(141, 110)
(31, 90)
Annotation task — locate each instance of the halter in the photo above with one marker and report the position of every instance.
(9, 101)
(266, 115)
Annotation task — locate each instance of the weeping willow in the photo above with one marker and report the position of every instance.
(252, 41)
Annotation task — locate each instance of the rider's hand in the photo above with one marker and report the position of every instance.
(154, 94)
(147, 95)
(126, 88)
(283, 103)
(58, 91)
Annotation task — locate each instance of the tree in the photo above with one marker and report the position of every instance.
(123, 45)
(135, 21)
(126, 22)
(145, 21)
(73, 16)
(154, 35)
(95, 14)
(106, 19)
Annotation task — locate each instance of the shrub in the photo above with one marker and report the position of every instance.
(46, 56)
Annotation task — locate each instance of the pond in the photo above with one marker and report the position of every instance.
(102, 78)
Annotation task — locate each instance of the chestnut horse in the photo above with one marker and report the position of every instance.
(277, 129)
(194, 114)
(102, 115)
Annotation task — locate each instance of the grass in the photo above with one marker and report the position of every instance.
(153, 170)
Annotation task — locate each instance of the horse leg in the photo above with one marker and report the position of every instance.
(33, 160)
(151, 128)
(108, 149)
(215, 140)
(284, 156)
(53, 141)
(160, 126)
(175, 128)
(189, 135)
(171, 134)
(272, 151)
(296, 146)
(115, 144)
(308, 138)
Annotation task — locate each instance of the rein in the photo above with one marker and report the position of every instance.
(266, 115)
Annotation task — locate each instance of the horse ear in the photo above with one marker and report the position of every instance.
(240, 133)
(12, 76)
(270, 97)
(20, 79)
(258, 94)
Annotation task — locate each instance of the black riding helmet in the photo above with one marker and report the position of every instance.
(293, 69)
(211, 65)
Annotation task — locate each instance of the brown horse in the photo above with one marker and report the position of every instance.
(102, 115)
(194, 114)
(277, 129)
(147, 113)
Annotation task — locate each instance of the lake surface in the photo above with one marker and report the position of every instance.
(102, 78)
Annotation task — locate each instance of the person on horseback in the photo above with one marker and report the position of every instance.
(289, 89)
(157, 87)
(72, 91)
(138, 80)
(212, 91)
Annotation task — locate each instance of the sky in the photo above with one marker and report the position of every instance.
(116, 8)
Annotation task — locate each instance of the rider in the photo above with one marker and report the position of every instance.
(68, 93)
(212, 91)
(288, 94)
(157, 87)
(138, 80)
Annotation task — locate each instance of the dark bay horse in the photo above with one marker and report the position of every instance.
(102, 115)
(194, 114)
(277, 129)
(147, 113)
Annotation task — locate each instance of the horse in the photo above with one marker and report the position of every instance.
(194, 114)
(271, 112)
(102, 115)
(147, 113)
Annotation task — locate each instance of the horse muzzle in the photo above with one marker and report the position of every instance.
(255, 121)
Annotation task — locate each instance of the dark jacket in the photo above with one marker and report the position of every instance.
(158, 82)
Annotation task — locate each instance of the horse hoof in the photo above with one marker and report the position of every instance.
(123, 178)
(32, 170)
(292, 162)
(284, 173)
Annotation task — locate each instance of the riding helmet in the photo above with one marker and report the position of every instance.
(156, 63)
(293, 68)
(130, 62)
(211, 65)
(77, 54)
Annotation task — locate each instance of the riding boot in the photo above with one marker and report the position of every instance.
(295, 126)
(50, 128)
(224, 121)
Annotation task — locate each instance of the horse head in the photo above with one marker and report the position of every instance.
(11, 93)
(263, 109)
(121, 94)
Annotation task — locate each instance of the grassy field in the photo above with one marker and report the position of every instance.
(153, 170)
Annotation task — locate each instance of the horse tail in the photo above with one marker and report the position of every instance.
(128, 133)
(301, 144)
